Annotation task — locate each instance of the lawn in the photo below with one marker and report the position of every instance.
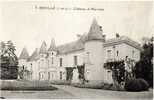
(25, 85)
(60, 82)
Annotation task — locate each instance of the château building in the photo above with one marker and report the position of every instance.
(91, 50)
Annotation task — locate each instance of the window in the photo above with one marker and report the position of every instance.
(52, 60)
(75, 60)
(87, 60)
(31, 67)
(61, 62)
(60, 75)
(23, 67)
(42, 76)
(48, 62)
(39, 65)
(109, 54)
(133, 53)
(39, 75)
(52, 75)
(117, 53)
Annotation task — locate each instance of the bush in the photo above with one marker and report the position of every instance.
(90, 86)
(95, 85)
(136, 85)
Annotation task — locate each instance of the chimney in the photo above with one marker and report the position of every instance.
(117, 35)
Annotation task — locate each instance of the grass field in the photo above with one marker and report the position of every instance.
(25, 85)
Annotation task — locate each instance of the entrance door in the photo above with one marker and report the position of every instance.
(52, 75)
(69, 73)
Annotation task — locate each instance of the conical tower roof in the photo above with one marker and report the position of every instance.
(95, 32)
(34, 55)
(24, 54)
(52, 45)
(43, 48)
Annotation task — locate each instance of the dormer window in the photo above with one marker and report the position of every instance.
(109, 54)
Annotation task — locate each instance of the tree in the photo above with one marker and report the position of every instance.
(81, 71)
(8, 61)
(144, 68)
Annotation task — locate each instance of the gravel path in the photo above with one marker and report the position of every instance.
(106, 94)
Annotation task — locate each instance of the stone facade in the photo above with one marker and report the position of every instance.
(91, 49)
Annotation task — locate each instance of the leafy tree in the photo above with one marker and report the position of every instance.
(144, 68)
(8, 61)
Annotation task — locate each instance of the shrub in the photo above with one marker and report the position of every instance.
(145, 85)
(108, 86)
(136, 85)
(95, 85)
(91, 85)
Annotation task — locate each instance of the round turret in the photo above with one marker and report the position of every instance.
(94, 51)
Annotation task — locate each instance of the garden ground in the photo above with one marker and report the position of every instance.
(69, 92)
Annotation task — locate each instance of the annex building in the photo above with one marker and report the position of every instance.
(91, 50)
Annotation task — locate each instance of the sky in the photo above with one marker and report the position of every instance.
(28, 27)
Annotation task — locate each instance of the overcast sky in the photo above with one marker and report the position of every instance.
(27, 26)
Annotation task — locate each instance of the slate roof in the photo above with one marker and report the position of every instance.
(70, 47)
(122, 39)
(43, 48)
(24, 54)
(35, 55)
(95, 32)
(79, 44)
(52, 46)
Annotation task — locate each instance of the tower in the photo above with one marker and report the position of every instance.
(94, 53)
(23, 58)
(24, 54)
(52, 65)
(23, 61)
(43, 50)
(42, 62)
(34, 65)
(52, 49)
